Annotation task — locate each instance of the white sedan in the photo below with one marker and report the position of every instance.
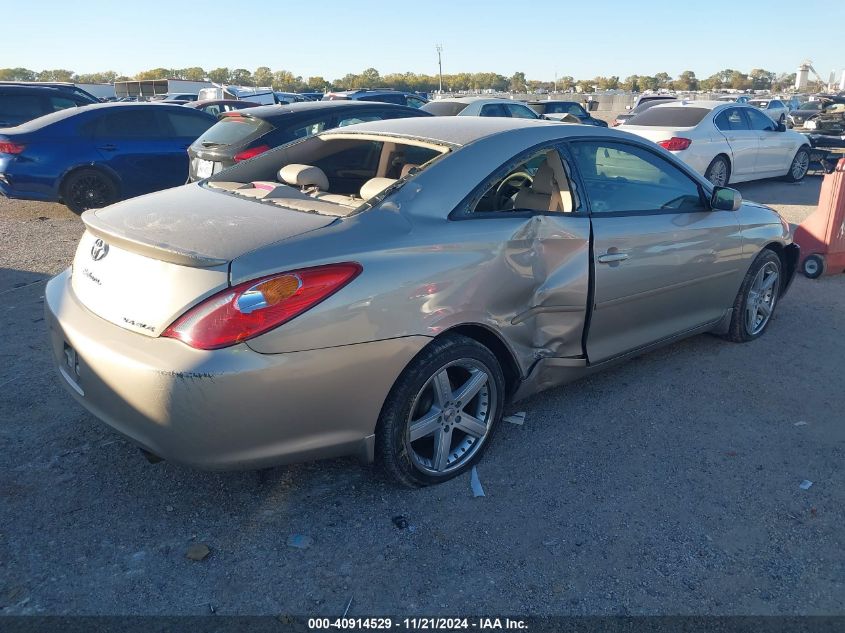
(775, 109)
(725, 142)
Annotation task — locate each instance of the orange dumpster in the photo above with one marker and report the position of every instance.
(822, 235)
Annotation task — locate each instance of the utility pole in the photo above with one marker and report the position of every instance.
(440, 65)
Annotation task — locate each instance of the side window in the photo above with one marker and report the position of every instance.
(537, 182)
(520, 111)
(731, 119)
(360, 118)
(61, 103)
(493, 109)
(187, 125)
(414, 102)
(213, 110)
(315, 127)
(17, 108)
(386, 98)
(135, 123)
(759, 121)
(361, 158)
(622, 177)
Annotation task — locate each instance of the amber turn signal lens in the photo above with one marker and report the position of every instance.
(279, 288)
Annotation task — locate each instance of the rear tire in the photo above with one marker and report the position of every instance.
(719, 171)
(799, 167)
(454, 384)
(757, 298)
(813, 266)
(86, 189)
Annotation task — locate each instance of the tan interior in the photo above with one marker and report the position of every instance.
(313, 183)
(549, 190)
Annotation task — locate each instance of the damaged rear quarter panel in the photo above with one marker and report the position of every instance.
(526, 278)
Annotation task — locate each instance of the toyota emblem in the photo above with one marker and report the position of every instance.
(99, 250)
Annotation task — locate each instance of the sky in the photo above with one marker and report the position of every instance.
(331, 38)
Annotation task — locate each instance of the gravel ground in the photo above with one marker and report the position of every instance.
(669, 485)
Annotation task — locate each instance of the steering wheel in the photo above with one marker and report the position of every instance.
(510, 186)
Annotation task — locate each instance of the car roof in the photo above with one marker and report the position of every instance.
(21, 87)
(271, 111)
(456, 130)
(66, 113)
(204, 102)
(542, 101)
(477, 100)
(708, 105)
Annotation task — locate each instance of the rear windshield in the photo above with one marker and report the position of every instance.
(231, 130)
(670, 117)
(444, 108)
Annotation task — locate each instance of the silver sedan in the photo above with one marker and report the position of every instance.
(385, 289)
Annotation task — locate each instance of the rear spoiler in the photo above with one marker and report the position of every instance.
(164, 252)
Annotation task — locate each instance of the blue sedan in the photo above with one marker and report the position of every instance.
(92, 156)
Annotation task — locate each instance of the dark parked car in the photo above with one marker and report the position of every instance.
(573, 108)
(238, 136)
(810, 110)
(58, 85)
(383, 96)
(642, 107)
(20, 103)
(92, 156)
(216, 107)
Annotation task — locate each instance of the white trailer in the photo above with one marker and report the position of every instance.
(149, 88)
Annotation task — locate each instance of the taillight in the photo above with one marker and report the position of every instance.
(675, 144)
(254, 307)
(250, 153)
(7, 147)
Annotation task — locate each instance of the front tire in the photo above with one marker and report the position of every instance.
(441, 412)
(799, 167)
(757, 298)
(87, 189)
(719, 171)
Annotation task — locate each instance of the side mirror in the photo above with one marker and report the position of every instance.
(725, 199)
(781, 127)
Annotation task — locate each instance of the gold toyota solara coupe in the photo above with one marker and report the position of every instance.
(384, 289)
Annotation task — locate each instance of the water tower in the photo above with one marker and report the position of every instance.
(803, 75)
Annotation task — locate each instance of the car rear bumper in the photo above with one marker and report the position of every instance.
(227, 408)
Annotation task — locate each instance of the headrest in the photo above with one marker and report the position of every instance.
(406, 169)
(304, 176)
(544, 180)
(375, 186)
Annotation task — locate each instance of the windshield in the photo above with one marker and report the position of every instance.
(444, 108)
(564, 108)
(231, 130)
(670, 117)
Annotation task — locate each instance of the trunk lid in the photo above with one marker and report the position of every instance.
(657, 134)
(141, 263)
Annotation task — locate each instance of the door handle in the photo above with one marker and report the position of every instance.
(609, 258)
(107, 148)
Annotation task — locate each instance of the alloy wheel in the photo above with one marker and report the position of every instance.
(89, 192)
(718, 173)
(451, 417)
(761, 300)
(800, 165)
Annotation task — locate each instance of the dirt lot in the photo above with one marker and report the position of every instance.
(667, 485)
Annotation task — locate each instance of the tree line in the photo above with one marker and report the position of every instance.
(757, 79)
